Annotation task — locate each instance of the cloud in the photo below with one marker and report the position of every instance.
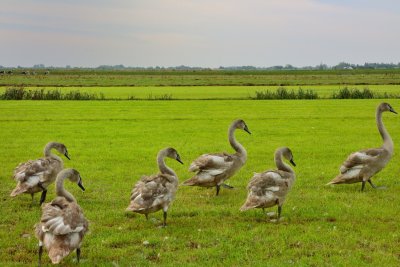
(198, 33)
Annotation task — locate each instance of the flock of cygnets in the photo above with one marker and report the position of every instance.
(63, 224)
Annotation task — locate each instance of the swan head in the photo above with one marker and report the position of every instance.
(75, 177)
(62, 149)
(287, 154)
(386, 107)
(240, 124)
(173, 154)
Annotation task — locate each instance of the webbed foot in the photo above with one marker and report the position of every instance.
(377, 187)
(227, 186)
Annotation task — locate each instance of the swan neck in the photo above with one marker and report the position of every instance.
(162, 166)
(235, 144)
(282, 166)
(60, 190)
(387, 140)
(48, 154)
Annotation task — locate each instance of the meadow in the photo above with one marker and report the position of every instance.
(82, 77)
(113, 143)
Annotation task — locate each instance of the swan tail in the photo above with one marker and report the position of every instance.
(18, 190)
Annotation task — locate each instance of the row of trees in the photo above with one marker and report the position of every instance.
(340, 66)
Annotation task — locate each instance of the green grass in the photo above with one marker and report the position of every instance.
(208, 92)
(113, 143)
(202, 78)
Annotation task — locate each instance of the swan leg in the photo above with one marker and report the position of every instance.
(362, 186)
(370, 182)
(40, 254)
(147, 216)
(78, 254)
(376, 187)
(165, 219)
(279, 212)
(218, 187)
(43, 197)
(227, 186)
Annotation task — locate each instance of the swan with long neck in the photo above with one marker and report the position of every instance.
(240, 150)
(36, 175)
(59, 147)
(387, 140)
(63, 224)
(361, 166)
(280, 164)
(270, 188)
(213, 169)
(156, 192)
(74, 176)
(161, 161)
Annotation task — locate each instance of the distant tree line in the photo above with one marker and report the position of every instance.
(340, 66)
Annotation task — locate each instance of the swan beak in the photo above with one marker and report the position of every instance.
(66, 155)
(246, 129)
(292, 162)
(392, 110)
(178, 158)
(81, 185)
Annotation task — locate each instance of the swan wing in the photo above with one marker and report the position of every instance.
(359, 159)
(264, 189)
(272, 181)
(61, 217)
(213, 164)
(268, 179)
(35, 168)
(152, 190)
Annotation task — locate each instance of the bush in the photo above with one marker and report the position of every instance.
(346, 93)
(78, 95)
(282, 93)
(54, 95)
(366, 93)
(307, 94)
(19, 93)
(13, 93)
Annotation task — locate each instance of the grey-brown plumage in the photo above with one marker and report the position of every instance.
(270, 188)
(156, 192)
(362, 165)
(36, 175)
(63, 224)
(213, 169)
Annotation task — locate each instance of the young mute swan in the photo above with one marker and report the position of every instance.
(63, 225)
(36, 175)
(155, 192)
(213, 169)
(362, 165)
(270, 188)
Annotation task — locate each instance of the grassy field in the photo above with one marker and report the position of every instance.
(113, 143)
(207, 92)
(202, 78)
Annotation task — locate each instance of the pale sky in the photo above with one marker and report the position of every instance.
(203, 33)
